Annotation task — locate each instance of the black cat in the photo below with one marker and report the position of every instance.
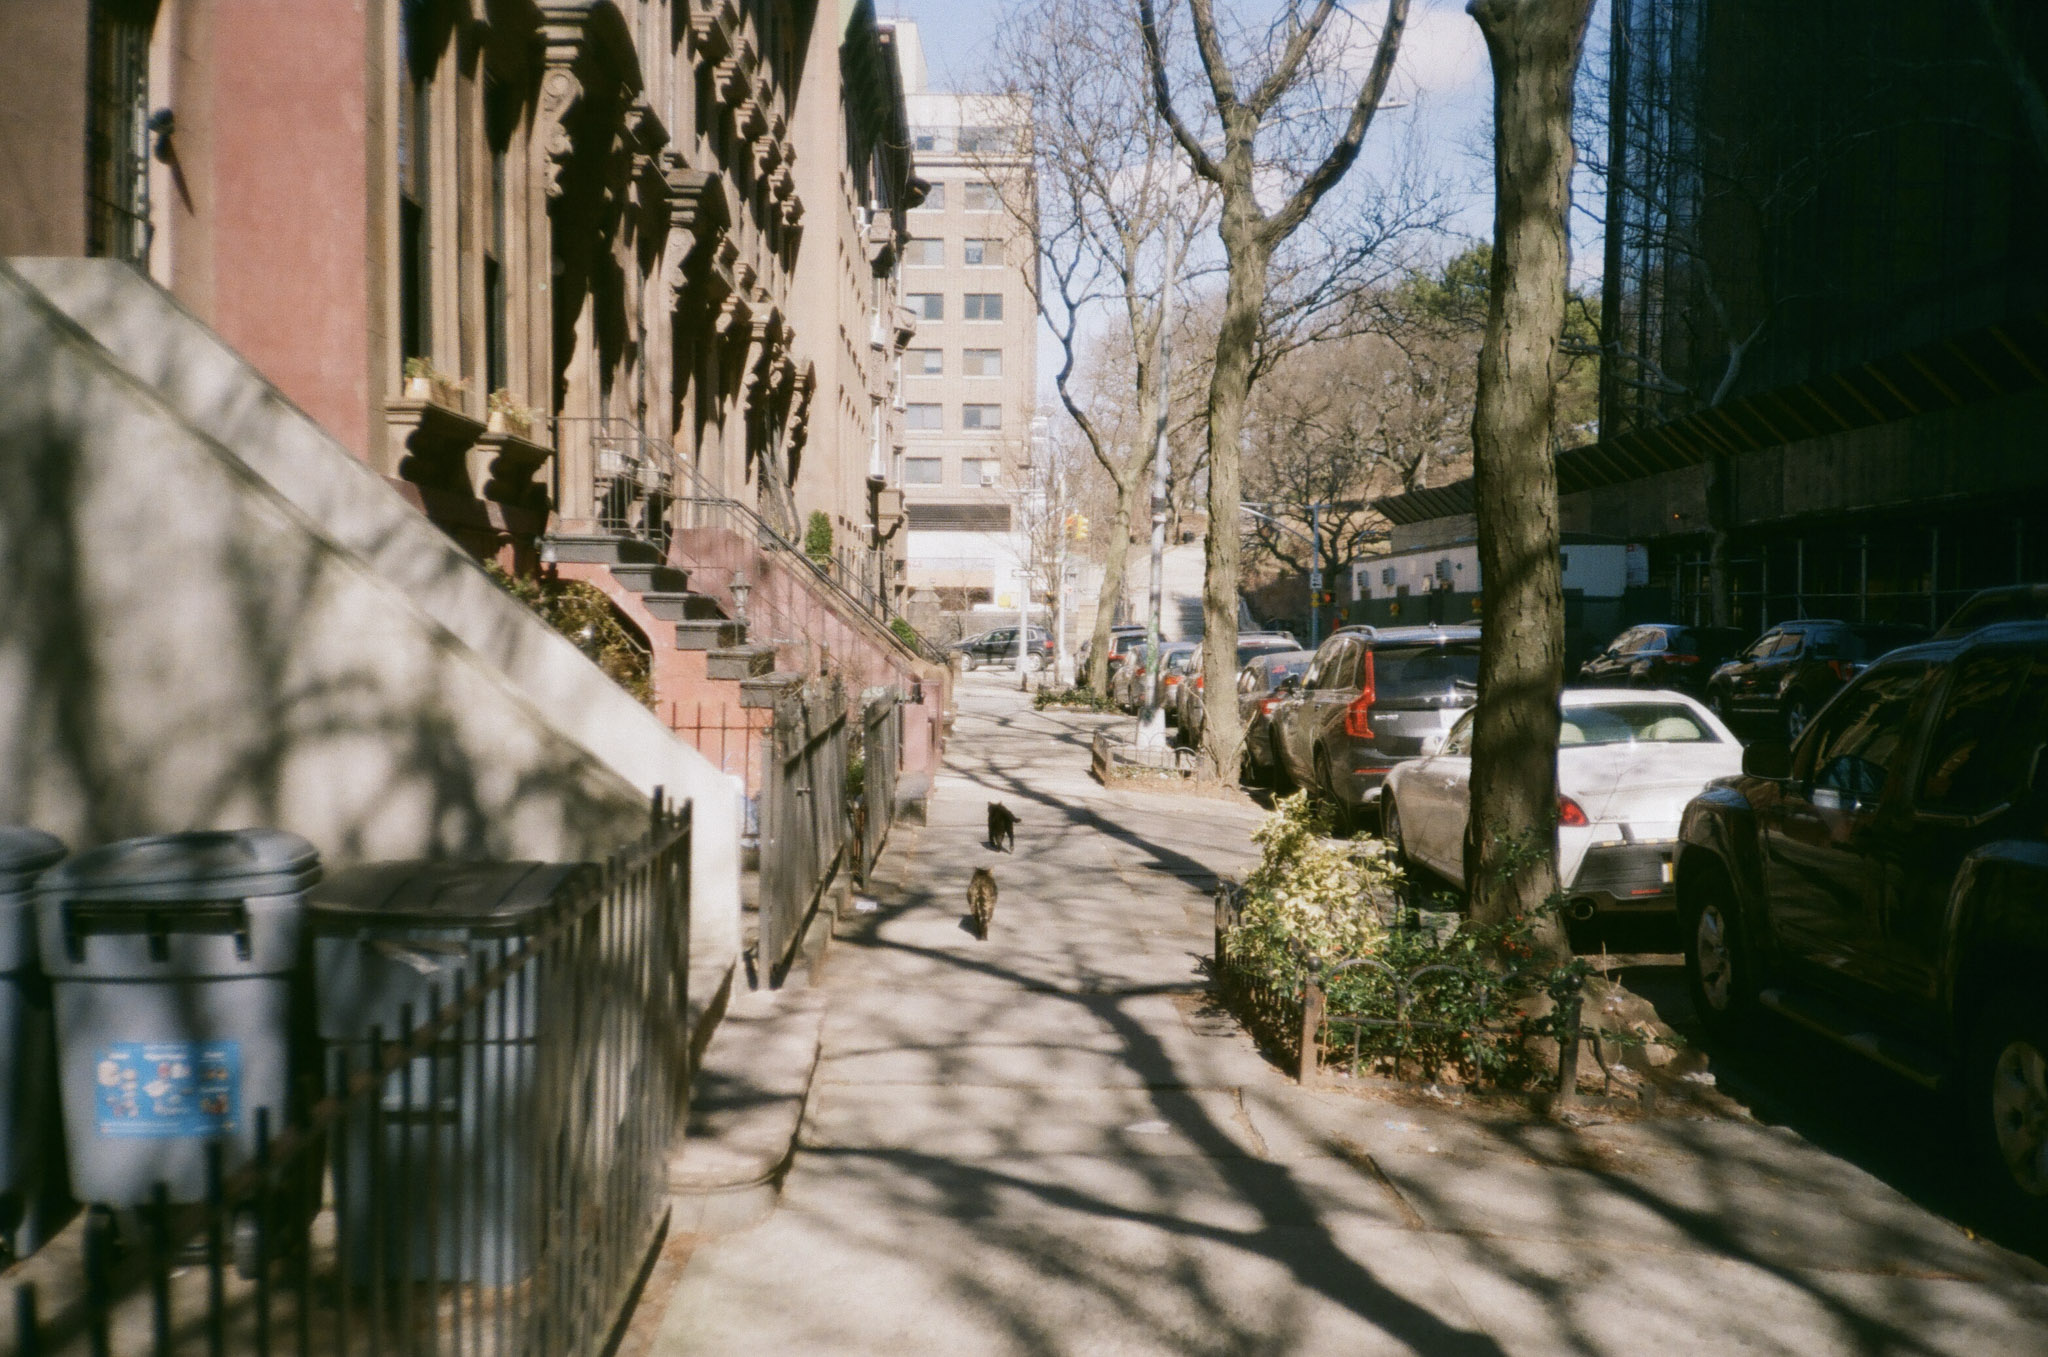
(1002, 828)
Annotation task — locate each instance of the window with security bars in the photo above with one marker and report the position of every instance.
(117, 132)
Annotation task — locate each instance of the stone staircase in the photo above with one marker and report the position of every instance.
(714, 662)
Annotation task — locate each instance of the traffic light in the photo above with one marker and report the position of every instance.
(1077, 524)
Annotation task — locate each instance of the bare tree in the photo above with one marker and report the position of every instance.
(1285, 100)
(1512, 850)
(1115, 217)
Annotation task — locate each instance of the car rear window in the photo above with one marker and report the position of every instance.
(1425, 670)
(1246, 654)
(1272, 673)
(1634, 723)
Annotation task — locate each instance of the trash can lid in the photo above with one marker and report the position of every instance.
(25, 852)
(211, 864)
(479, 897)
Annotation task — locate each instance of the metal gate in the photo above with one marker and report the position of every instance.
(803, 817)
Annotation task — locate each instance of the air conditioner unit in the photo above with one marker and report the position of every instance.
(1443, 570)
(1387, 575)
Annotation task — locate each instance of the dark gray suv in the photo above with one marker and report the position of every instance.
(1371, 699)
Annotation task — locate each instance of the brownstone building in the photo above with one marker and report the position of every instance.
(606, 284)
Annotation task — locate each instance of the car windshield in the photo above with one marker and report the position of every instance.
(1634, 723)
(1425, 670)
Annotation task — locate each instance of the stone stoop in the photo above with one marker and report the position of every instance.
(747, 1109)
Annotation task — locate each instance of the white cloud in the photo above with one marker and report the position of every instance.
(1441, 51)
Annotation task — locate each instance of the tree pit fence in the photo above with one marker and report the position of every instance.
(1298, 1025)
(489, 1177)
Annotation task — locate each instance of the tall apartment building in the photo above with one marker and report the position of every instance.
(970, 375)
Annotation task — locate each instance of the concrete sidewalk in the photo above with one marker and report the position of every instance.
(1046, 1144)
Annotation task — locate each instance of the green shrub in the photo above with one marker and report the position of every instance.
(904, 632)
(1075, 699)
(1314, 902)
(818, 537)
(582, 613)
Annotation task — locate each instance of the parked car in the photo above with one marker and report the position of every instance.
(1122, 644)
(1883, 880)
(1000, 647)
(1662, 655)
(1262, 685)
(1189, 713)
(1088, 647)
(1791, 670)
(1370, 700)
(2006, 603)
(1627, 763)
(1129, 684)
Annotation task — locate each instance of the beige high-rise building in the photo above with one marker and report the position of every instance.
(970, 376)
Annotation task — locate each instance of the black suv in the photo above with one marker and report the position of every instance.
(1795, 667)
(1662, 655)
(1885, 881)
(1000, 647)
(1370, 699)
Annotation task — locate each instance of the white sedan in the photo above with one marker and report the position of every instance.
(1627, 762)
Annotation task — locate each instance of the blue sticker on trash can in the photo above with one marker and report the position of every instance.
(160, 1089)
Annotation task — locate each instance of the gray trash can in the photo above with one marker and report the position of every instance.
(440, 1179)
(32, 1194)
(175, 966)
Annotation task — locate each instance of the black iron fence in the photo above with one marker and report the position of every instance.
(881, 756)
(489, 1177)
(803, 817)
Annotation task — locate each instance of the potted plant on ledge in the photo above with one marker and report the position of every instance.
(508, 416)
(425, 382)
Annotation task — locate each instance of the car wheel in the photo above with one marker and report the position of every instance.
(1797, 714)
(968, 662)
(1719, 971)
(1283, 779)
(1390, 830)
(1033, 663)
(2006, 1086)
(1326, 786)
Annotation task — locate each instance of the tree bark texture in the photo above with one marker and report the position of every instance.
(1230, 385)
(1511, 855)
(1114, 565)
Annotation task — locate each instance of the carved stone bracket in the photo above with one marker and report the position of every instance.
(798, 428)
(503, 467)
(436, 440)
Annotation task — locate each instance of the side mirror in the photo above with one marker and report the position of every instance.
(1290, 684)
(1768, 758)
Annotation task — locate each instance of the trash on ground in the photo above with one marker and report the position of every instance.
(863, 905)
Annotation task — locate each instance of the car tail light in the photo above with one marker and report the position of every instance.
(1198, 683)
(1357, 716)
(1266, 705)
(1571, 814)
(1171, 680)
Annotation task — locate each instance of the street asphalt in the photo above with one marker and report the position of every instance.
(1048, 1143)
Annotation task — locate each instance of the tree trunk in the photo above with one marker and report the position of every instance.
(1113, 569)
(1230, 385)
(1511, 853)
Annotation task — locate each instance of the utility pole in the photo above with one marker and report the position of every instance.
(1152, 723)
(1315, 573)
